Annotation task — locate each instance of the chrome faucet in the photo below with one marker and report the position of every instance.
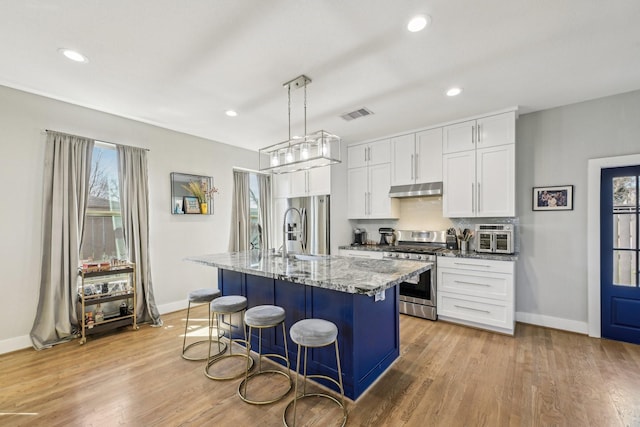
(285, 233)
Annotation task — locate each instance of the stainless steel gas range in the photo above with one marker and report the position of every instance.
(418, 297)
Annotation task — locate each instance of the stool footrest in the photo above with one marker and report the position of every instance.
(323, 395)
(223, 347)
(243, 386)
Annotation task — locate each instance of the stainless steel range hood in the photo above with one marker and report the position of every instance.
(416, 190)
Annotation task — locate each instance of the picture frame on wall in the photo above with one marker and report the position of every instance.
(190, 205)
(556, 198)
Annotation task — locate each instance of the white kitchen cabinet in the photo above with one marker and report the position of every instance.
(479, 183)
(417, 158)
(477, 292)
(361, 253)
(312, 182)
(369, 154)
(490, 131)
(368, 193)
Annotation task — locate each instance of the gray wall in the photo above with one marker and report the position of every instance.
(553, 148)
(23, 119)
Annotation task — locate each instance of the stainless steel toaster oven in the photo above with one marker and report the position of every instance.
(494, 238)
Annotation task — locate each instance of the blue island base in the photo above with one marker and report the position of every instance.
(368, 330)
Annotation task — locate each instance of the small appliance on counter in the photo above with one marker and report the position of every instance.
(494, 238)
(387, 236)
(452, 239)
(359, 237)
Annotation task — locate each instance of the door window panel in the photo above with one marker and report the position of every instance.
(624, 192)
(624, 231)
(624, 268)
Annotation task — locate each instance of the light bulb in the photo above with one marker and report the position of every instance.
(275, 161)
(304, 150)
(288, 158)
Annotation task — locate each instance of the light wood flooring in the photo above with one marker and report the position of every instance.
(447, 375)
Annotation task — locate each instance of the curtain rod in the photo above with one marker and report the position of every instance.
(96, 140)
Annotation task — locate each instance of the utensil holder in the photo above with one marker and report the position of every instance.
(464, 246)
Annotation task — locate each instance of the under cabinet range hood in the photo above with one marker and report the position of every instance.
(416, 190)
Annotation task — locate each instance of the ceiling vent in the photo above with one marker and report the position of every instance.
(357, 114)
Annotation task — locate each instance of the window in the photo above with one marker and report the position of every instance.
(103, 236)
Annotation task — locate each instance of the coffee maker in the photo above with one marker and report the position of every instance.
(387, 236)
(359, 237)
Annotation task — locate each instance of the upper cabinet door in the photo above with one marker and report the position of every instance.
(459, 184)
(319, 181)
(281, 185)
(380, 205)
(403, 160)
(496, 181)
(357, 155)
(428, 156)
(459, 137)
(496, 130)
(357, 195)
(379, 152)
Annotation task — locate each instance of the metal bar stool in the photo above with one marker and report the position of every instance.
(201, 296)
(315, 333)
(261, 317)
(228, 305)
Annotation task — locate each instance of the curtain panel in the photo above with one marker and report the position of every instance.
(239, 237)
(134, 204)
(264, 183)
(66, 176)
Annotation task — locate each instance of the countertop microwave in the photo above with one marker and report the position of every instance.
(494, 238)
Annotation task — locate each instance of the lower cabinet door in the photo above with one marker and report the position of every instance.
(480, 312)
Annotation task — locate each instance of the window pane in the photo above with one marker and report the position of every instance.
(624, 268)
(103, 237)
(624, 192)
(624, 231)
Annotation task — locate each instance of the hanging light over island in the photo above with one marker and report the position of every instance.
(316, 149)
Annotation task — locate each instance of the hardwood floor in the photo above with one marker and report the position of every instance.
(447, 375)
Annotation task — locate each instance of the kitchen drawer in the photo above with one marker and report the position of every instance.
(488, 285)
(361, 254)
(476, 264)
(480, 311)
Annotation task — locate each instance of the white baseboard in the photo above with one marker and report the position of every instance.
(15, 343)
(553, 322)
(18, 343)
(173, 306)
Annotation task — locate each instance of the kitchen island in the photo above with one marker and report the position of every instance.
(359, 295)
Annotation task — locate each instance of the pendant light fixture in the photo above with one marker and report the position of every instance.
(313, 150)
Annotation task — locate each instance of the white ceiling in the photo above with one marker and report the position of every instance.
(181, 64)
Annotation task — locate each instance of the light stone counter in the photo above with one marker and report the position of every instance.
(344, 274)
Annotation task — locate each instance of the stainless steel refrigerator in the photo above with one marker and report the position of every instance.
(308, 233)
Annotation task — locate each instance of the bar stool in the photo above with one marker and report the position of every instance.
(228, 305)
(200, 296)
(262, 317)
(315, 333)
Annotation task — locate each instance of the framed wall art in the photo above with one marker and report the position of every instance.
(557, 198)
(190, 205)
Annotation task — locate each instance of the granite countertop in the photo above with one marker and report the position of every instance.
(344, 274)
(445, 253)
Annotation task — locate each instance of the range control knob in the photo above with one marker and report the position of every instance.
(418, 256)
(407, 256)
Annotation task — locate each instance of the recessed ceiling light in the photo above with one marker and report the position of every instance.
(454, 91)
(231, 113)
(418, 23)
(73, 55)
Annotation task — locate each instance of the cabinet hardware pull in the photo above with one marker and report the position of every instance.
(471, 308)
(471, 283)
(479, 198)
(417, 164)
(473, 134)
(473, 199)
(478, 134)
(474, 265)
(412, 164)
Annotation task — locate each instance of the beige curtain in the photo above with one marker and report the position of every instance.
(134, 204)
(264, 183)
(239, 236)
(66, 176)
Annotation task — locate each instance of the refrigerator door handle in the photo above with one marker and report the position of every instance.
(304, 241)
